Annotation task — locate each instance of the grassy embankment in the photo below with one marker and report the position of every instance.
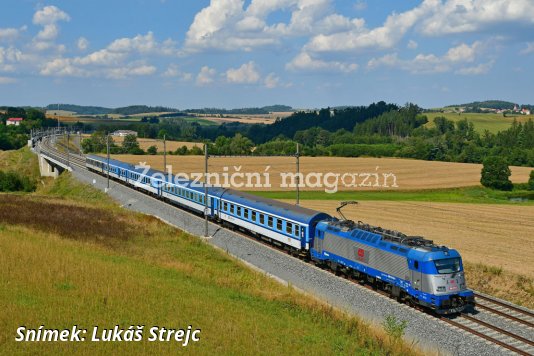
(71, 256)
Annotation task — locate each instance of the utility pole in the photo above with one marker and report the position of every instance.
(297, 155)
(68, 150)
(80, 142)
(206, 199)
(164, 154)
(107, 144)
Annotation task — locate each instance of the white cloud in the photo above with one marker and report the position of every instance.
(360, 5)
(111, 61)
(482, 68)
(272, 81)
(529, 48)
(7, 80)
(63, 67)
(228, 25)
(206, 75)
(48, 18)
(246, 74)
(82, 43)
(49, 15)
(131, 70)
(430, 63)
(173, 71)
(412, 44)
(305, 62)
(463, 52)
(9, 34)
(9, 57)
(460, 16)
(360, 38)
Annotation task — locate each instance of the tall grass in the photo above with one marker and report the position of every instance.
(500, 283)
(59, 273)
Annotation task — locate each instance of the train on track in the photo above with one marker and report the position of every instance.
(409, 268)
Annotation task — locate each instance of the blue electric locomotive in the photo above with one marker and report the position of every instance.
(409, 268)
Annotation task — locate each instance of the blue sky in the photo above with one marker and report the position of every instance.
(242, 53)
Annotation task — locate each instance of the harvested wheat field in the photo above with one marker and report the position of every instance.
(497, 235)
(145, 143)
(410, 174)
(266, 119)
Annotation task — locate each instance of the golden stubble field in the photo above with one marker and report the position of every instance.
(145, 143)
(266, 119)
(410, 174)
(496, 235)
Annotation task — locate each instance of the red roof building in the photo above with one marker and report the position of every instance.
(14, 121)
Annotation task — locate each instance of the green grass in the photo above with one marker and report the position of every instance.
(58, 272)
(199, 120)
(22, 161)
(490, 121)
(473, 195)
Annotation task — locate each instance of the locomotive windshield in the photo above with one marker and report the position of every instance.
(448, 265)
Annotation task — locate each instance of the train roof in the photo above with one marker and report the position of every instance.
(415, 247)
(274, 207)
(150, 172)
(270, 206)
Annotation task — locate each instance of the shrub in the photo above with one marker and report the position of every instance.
(152, 150)
(393, 327)
(14, 182)
(496, 174)
(531, 181)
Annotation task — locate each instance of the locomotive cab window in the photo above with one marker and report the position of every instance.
(447, 265)
(416, 264)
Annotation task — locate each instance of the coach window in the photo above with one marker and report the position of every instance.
(279, 224)
(246, 214)
(289, 228)
(238, 211)
(262, 219)
(270, 221)
(253, 216)
(297, 230)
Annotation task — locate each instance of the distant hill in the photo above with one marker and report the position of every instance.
(80, 110)
(488, 104)
(98, 110)
(243, 111)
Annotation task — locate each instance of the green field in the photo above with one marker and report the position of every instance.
(71, 256)
(473, 195)
(491, 122)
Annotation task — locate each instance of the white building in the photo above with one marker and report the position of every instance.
(123, 133)
(14, 121)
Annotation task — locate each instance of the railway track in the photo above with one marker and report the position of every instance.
(505, 310)
(492, 333)
(72, 159)
(466, 322)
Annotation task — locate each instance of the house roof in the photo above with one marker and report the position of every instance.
(15, 119)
